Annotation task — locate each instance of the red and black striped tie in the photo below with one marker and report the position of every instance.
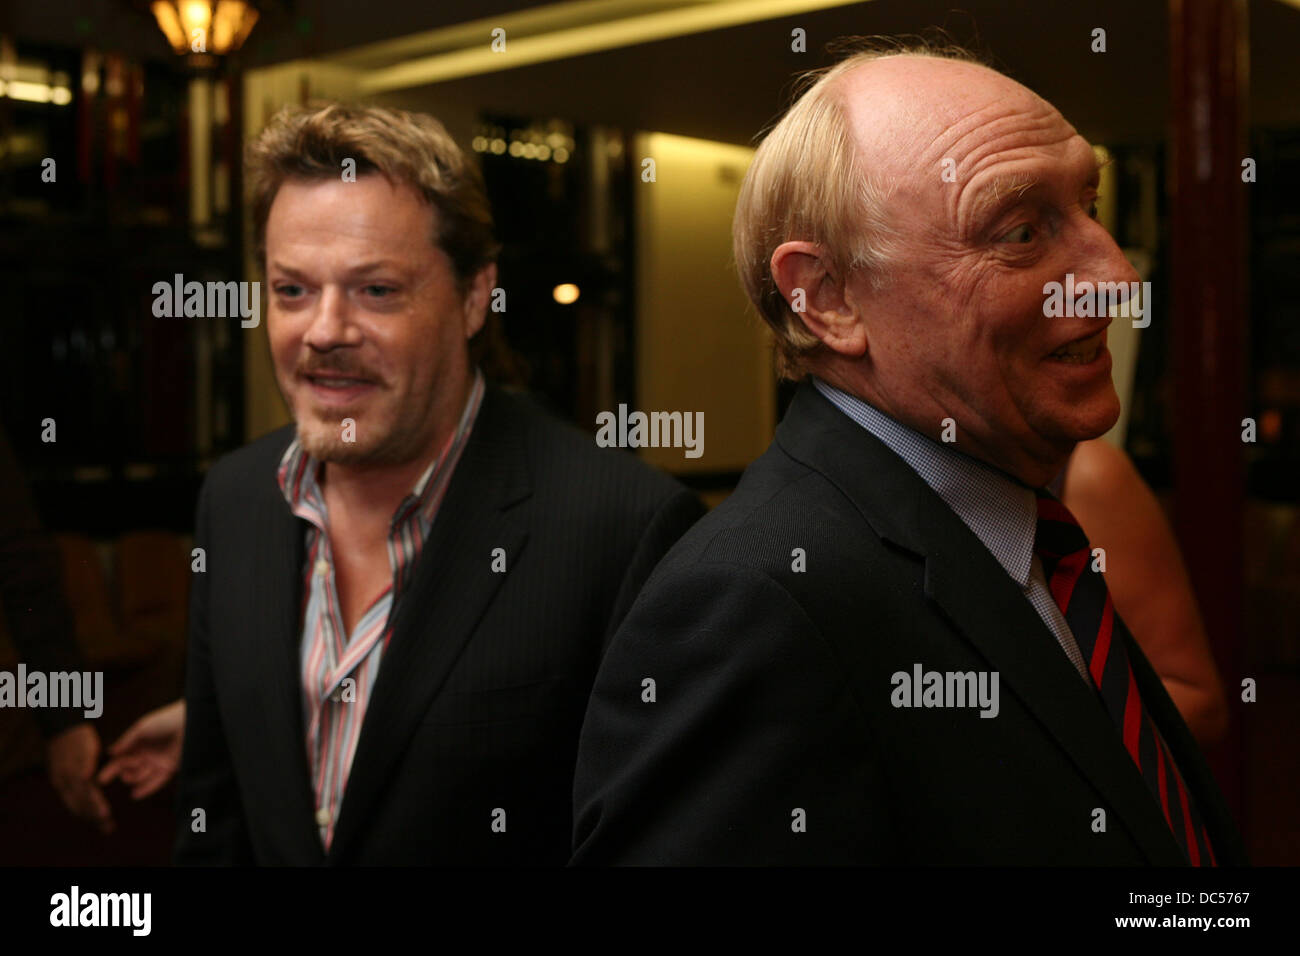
(1084, 599)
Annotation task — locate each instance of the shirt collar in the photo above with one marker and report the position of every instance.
(298, 472)
(1002, 512)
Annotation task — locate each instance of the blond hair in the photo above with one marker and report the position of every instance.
(413, 149)
(807, 182)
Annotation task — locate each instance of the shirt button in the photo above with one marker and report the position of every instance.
(322, 567)
(323, 817)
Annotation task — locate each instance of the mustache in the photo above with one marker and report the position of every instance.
(340, 367)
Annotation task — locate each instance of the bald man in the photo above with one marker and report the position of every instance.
(891, 644)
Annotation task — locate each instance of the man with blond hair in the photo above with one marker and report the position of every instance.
(408, 590)
(891, 644)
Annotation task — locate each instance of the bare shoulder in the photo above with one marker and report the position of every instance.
(1099, 472)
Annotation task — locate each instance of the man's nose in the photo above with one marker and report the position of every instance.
(331, 324)
(1104, 261)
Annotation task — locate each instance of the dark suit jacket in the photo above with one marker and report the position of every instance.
(773, 691)
(481, 692)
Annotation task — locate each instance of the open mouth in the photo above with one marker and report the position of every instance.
(1081, 351)
(335, 382)
(337, 390)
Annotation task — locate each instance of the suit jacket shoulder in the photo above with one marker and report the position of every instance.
(776, 631)
(566, 460)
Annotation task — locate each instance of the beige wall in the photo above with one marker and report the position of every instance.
(1121, 338)
(699, 347)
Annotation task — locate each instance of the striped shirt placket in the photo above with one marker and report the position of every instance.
(328, 655)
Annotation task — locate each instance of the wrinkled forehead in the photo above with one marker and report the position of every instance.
(911, 114)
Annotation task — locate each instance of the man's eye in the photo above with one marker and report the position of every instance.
(1020, 234)
(288, 290)
(1092, 208)
(380, 291)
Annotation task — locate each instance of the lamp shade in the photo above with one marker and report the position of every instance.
(204, 26)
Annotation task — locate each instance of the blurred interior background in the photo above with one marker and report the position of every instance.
(619, 290)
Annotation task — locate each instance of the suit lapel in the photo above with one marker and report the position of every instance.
(484, 508)
(277, 581)
(982, 602)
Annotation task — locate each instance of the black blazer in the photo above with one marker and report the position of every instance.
(481, 692)
(773, 691)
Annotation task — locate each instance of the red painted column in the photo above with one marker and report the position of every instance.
(1209, 70)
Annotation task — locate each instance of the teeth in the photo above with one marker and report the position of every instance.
(339, 382)
(1081, 352)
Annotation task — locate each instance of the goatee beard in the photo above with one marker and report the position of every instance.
(325, 443)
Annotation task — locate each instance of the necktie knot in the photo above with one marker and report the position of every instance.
(1058, 534)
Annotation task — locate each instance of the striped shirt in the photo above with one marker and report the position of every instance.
(337, 669)
(1002, 512)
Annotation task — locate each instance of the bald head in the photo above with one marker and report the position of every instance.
(988, 194)
(908, 110)
(917, 120)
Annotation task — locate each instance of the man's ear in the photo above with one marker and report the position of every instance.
(476, 299)
(817, 294)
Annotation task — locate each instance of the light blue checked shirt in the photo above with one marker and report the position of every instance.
(1002, 512)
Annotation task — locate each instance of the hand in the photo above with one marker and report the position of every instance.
(72, 757)
(148, 754)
